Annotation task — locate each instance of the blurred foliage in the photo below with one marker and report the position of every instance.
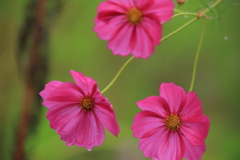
(74, 45)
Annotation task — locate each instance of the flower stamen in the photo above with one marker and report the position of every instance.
(86, 103)
(134, 15)
(172, 122)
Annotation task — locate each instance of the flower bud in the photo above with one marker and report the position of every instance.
(181, 2)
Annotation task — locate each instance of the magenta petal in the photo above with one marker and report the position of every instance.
(88, 85)
(193, 152)
(121, 42)
(111, 8)
(145, 36)
(79, 125)
(127, 36)
(150, 145)
(107, 117)
(172, 147)
(142, 5)
(196, 132)
(108, 28)
(146, 123)
(174, 95)
(88, 133)
(162, 9)
(192, 108)
(159, 142)
(63, 118)
(136, 39)
(155, 104)
(124, 3)
(152, 29)
(66, 92)
(49, 87)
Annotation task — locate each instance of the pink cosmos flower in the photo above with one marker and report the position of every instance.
(132, 26)
(79, 111)
(172, 125)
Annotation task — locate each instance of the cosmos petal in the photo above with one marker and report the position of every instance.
(109, 27)
(155, 104)
(121, 42)
(49, 87)
(72, 121)
(66, 92)
(193, 152)
(128, 36)
(172, 147)
(64, 118)
(161, 9)
(146, 123)
(148, 30)
(87, 85)
(192, 109)
(174, 95)
(150, 145)
(159, 142)
(123, 3)
(88, 133)
(107, 117)
(196, 132)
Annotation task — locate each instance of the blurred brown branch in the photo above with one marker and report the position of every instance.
(31, 75)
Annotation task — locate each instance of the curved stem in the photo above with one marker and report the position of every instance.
(198, 16)
(117, 75)
(180, 28)
(177, 10)
(197, 55)
(203, 13)
(184, 13)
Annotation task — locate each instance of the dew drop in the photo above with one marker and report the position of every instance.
(89, 149)
(226, 38)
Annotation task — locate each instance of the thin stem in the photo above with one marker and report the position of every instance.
(203, 13)
(117, 75)
(178, 11)
(197, 55)
(180, 28)
(184, 13)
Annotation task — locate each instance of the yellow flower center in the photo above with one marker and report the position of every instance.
(134, 15)
(86, 104)
(172, 122)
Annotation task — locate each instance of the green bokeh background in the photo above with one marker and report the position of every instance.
(74, 45)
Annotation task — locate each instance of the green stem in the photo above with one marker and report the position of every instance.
(196, 57)
(203, 13)
(184, 13)
(177, 10)
(117, 75)
(180, 28)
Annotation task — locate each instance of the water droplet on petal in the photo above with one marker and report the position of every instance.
(89, 149)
